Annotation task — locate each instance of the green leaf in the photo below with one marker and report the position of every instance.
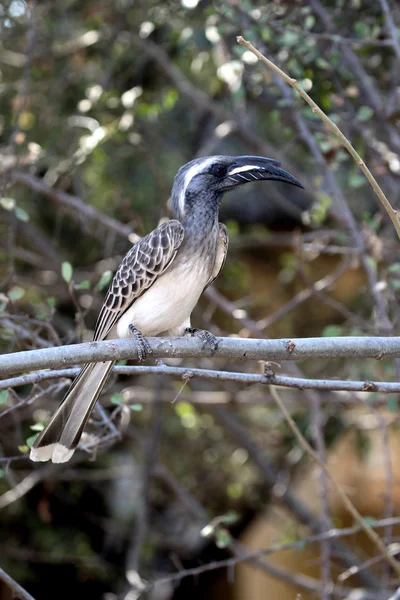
(116, 399)
(66, 271)
(223, 538)
(83, 285)
(394, 268)
(369, 521)
(7, 203)
(3, 396)
(229, 518)
(392, 403)
(356, 180)
(16, 293)
(37, 427)
(3, 301)
(332, 331)
(21, 214)
(24, 449)
(1, 473)
(31, 439)
(136, 407)
(104, 280)
(51, 302)
(365, 113)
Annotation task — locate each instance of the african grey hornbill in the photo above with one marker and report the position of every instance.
(159, 283)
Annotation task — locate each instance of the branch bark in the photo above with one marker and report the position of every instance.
(185, 373)
(185, 347)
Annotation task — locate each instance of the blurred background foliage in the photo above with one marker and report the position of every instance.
(101, 103)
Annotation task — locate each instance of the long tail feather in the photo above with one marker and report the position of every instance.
(61, 436)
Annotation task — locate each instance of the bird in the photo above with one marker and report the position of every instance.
(158, 284)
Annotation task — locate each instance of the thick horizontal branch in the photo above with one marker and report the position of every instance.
(184, 373)
(186, 347)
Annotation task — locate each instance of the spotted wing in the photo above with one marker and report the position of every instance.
(222, 251)
(144, 262)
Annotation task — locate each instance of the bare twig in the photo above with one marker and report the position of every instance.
(373, 536)
(300, 383)
(271, 478)
(334, 128)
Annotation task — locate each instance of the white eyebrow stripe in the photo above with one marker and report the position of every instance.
(193, 171)
(245, 168)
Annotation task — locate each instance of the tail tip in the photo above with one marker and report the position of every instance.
(61, 454)
(42, 453)
(57, 453)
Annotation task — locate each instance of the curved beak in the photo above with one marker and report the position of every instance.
(257, 168)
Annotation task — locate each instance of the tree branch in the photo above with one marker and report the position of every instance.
(185, 347)
(300, 383)
(334, 128)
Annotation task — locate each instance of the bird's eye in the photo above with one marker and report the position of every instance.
(219, 170)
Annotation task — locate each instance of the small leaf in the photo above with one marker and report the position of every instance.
(3, 301)
(364, 113)
(136, 407)
(392, 403)
(7, 203)
(223, 538)
(21, 214)
(83, 285)
(24, 449)
(1, 473)
(31, 439)
(51, 302)
(66, 271)
(16, 293)
(37, 427)
(332, 331)
(229, 518)
(356, 180)
(116, 399)
(3, 396)
(369, 521)
(104, 280)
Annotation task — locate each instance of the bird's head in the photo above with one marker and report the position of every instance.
(206, 179)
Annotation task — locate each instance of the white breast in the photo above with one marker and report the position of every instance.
(167, 305)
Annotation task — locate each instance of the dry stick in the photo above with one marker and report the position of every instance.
(315, 109)
(186, 373)
(373, 536)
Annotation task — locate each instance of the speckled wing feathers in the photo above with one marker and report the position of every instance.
(222, 251)
(146, 261)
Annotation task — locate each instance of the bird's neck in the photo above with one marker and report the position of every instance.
(200, 217)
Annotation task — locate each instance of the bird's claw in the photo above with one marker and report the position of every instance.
(144, 349)
(205, 336)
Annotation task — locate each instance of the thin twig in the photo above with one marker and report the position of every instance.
(271, 477)
(186, 373)
(334, 128)
(373, 536)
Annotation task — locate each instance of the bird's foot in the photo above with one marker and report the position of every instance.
(143, 347)
(206, 337)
